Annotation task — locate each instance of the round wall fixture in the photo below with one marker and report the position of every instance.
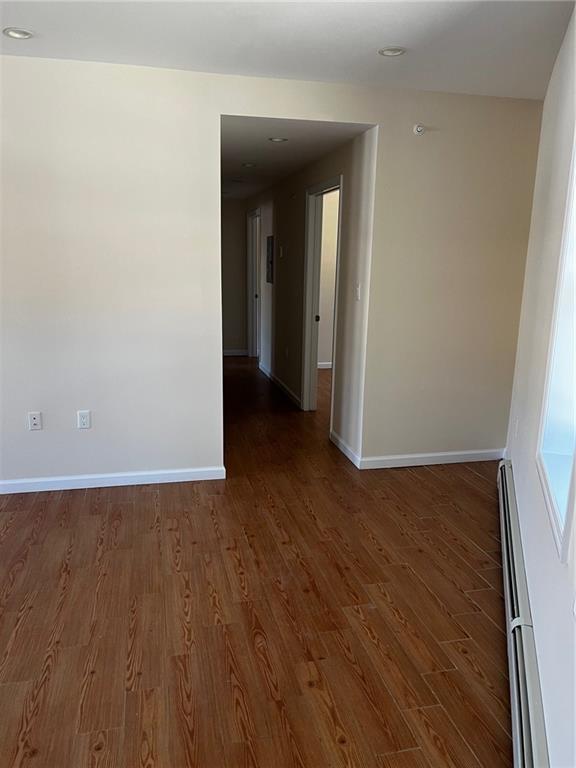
(17, 33)
(419, 129)
(392, 51)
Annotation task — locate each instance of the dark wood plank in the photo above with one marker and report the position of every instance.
(489, 638)
(440, 740)
(413, 758)
(385, 649)
(412, 632)
(490, 743)
(491, 603)
(485, 678)
(363, 695)
(413, 591)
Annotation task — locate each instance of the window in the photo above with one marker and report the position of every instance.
(557, 444)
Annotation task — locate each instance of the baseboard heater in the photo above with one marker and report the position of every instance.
(528, 727)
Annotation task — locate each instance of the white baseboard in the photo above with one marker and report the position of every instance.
(324, 366)
(235, 353)
(345, 448)
(422, 459)
(279, 383)
(67, 482)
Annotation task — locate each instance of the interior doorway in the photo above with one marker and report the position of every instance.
(253, 281)
(323, 205)
(277, 176)
(328, 257)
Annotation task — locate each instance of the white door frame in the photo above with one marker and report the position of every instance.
(253, 281)
(312, 290)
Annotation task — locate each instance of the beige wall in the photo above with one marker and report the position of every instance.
(234, 281)
(450, 235)
(328, 274)
(111, 270)
(551, 583)
(111, 262)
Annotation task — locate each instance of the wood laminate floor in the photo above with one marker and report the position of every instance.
(300, 614)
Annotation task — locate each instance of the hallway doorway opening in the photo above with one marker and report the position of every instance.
(295, 251)
(253, 281)
(321, 279)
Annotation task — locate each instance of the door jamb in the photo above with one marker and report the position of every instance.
(252, 287)
(313, 234)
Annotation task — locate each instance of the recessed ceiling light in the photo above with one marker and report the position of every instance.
(392, 50)
(16, 33)
(277, 139)
(248, 165)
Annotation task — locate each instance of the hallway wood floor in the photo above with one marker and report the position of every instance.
(300, 614)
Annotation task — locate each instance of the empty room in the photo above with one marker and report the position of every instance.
(288, 384)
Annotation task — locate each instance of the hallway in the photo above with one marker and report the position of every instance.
(300, 614)
(264, 430)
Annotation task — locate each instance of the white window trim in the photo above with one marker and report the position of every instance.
(562, 534)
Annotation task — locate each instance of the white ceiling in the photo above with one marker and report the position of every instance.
(245, 140)
(495, 48)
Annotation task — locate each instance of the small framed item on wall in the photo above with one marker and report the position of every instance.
(270, 259)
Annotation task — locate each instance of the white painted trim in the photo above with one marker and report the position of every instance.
(253, 280)
(266, 371)
(345, 448)
(562, 532)
(312, 257)
(279, 383)
(414, 459)
(235, 352)
(324, 366)
(67, 482)
(422, 459)
(366, 276)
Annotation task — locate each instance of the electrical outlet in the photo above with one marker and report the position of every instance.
(34, 420)
(84, 419)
